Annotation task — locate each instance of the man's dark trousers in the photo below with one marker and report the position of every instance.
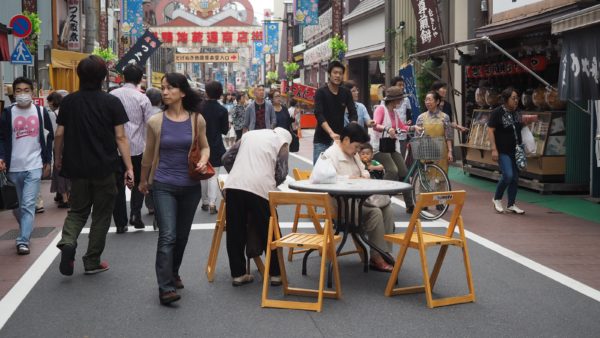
(137, 198)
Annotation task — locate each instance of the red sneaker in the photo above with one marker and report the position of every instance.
(100, 268)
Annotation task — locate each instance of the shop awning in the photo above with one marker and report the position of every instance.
(364, 51)
(580, 19)
(579, 74)
(63, 69)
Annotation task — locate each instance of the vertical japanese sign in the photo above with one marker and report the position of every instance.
(133, 18)
(579, 72)
(306, 12)
(74, 22)
(29, 6)
(410, 87)
(429, 29)
(271, 37)
(140, 51)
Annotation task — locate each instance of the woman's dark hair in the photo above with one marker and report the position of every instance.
(272, 93)
(335, 64)
(133, 74)
(507, 93)
(396, 80)
(349, 84)
(355, 133)
(154, 96)
(214, 90)
(293, 103)
(438, 84)
(24, 80)
(192, 99)
(91, 72)
(239, 95)
(54, 99)
(435, 95)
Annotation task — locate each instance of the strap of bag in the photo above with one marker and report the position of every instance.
(196, 138)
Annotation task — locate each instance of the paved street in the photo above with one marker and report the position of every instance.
(521, 290)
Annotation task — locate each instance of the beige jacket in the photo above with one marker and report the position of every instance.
(151, 156)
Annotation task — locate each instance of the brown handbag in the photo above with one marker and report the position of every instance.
(194, 158)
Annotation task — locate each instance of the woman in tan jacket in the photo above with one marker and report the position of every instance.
(165, 165)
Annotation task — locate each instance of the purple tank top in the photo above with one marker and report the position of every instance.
(175, 143)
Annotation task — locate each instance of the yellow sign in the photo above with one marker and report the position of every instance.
(156, 77)
(207, 57)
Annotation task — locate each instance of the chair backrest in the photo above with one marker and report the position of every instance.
(301, 175)
(309, 199)
(453, 198)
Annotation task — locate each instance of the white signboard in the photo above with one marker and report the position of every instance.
(506, 5)
(318, 53)
(74, 22)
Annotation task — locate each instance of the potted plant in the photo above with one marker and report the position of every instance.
(272, 77)
(106, 54)
(338, 48)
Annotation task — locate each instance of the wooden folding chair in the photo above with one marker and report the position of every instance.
(421, 241)
(324, 242)
(301, 175)
(216, 241)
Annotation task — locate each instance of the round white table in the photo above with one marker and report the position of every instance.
(350, 193)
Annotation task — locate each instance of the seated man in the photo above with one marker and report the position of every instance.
(376, 221)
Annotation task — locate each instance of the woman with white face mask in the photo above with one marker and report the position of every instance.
(387, 124)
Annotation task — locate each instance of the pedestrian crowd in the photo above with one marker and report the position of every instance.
(94, 145)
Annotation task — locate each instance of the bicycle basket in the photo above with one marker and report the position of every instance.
(427, 148)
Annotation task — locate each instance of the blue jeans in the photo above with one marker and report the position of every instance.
(174, 209)
(510, 178)
(27, 184)
(318, 148)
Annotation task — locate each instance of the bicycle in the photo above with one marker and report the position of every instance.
(423, 174)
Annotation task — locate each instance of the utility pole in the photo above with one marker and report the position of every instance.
(389, 42)
(91, 23)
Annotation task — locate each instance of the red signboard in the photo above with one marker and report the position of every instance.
(536, 63)
(300, 92)
(38, 101)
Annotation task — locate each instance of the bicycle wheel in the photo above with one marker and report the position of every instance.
(431, 178)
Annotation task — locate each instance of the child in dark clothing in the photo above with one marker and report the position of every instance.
(374, 167)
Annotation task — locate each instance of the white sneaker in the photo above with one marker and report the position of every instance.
(498, 205)
(514, 208)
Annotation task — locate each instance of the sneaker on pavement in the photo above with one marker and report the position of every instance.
(243, 279)
(67, 260)
(212, 210)
(168, 297)
(275, 280)
(498, 205)
(22, 249)
(39, 210)
(514, 208)
(204, 207)
(100, 268)
(178, 282)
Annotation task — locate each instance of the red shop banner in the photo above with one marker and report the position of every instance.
(536, 63)
(300, 92)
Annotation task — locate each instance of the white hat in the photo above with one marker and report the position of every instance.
(284, 135)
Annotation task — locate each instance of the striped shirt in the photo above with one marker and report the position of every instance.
(139, 109)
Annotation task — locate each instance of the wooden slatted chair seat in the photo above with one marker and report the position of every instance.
(322, 240)
(416, 238)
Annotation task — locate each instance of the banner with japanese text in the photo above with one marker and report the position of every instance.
(132, 21)
(429, 28)
(306, 12)
(74, 23)
(271, 38)
(410, 87)
(139, 53)
(579, 73)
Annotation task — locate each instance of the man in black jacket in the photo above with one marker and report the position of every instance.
(25, 128)
(331, 102)
(217, 125)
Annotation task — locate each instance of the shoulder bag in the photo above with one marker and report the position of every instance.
(520, 157)
(194, 158)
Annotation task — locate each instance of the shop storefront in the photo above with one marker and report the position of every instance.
(554, 164)
(579, 80)
(317, 53)
(365, 31)
(63, 69)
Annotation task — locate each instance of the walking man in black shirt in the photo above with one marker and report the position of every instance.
(331, 102)
(90, 130)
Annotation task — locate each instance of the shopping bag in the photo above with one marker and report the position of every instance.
(323, 171)
(8, 193)
(528, 141)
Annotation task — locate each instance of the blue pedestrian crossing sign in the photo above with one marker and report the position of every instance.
(21, 55)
